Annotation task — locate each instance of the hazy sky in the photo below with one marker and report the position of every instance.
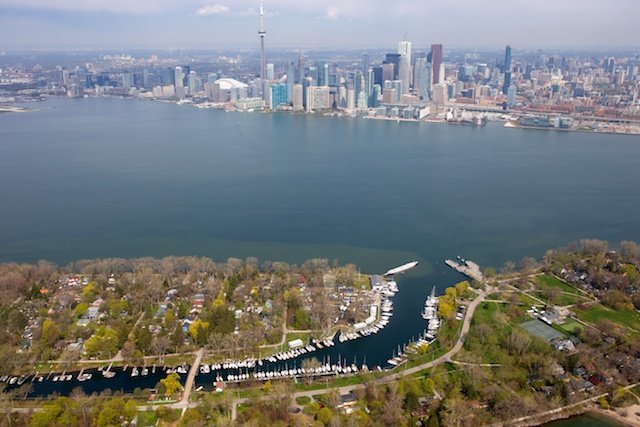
(318, 23)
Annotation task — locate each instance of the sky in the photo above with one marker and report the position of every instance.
(51, 24)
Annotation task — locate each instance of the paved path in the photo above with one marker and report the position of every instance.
(188, 386)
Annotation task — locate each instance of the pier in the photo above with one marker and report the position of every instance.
(468, 268)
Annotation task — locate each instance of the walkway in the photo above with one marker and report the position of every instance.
(188, 386)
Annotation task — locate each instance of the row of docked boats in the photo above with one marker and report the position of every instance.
(430, 314)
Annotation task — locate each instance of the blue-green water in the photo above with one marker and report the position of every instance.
(585, 421)
(120, 178)
(108, 177)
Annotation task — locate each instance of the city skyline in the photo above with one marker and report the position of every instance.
(315, 24)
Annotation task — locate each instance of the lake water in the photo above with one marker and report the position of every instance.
(84, 178)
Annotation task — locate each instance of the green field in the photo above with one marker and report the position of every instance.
(570, 325)
(545, 281)
(626, 319)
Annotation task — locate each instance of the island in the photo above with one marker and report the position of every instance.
(188, 341)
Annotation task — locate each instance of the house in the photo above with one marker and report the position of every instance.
(347, 403)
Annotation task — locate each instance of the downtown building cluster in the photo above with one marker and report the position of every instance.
(404, 83)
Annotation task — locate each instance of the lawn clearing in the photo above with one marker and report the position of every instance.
(626, 319)
(546, 281)
(570, 326)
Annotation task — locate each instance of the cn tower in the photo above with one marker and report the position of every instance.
(261, 33)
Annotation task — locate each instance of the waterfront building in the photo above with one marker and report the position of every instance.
(436, 62)
(254, 103)
(389, 96)
(193, 83)
(397, 86)
(351, 100)
(178, 82)
(440, 94)
(374, 100)
(318, 98)
(291, 71)
(297, 97)
(278, 96)
(363, 101)
(227, 89)
(127, 80)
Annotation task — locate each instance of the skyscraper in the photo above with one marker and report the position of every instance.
(393, 58)
(404, 72)
(261, 33)
(506, 66)
(436, 61)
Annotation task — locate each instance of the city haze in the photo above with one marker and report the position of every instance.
(315, 24)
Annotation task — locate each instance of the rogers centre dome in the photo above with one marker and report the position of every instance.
(228, 84)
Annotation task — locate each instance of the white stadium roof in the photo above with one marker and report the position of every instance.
(227, 84)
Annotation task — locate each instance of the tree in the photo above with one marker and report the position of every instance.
(301, 319)
(462, 289)
(192, 418)
(629, 250)
(171, 384)
(199, 331)
(143, 339)
(50, 333)
(324, 415)
(445, 308)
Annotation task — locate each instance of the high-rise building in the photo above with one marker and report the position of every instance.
(270, 72)
(436, 62)
(404, 72)
(378, 76)
(179, 82)
(297, 97)
(278, 96)
(261, 33)
(440, 93)
(393, 58)
(318, 98)
(422, 79)
(301, 73)
(193, 83)
(506, 66)
(507, 82)
(291, 71)
(511, 96)
(366, 60)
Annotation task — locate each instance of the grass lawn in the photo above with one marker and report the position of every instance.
(546, 281)
(562, 299)
(147, 418)
(570, 325)
(362, 282)
(303, 400)
(627, 319)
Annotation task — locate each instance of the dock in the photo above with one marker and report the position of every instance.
(468, 268)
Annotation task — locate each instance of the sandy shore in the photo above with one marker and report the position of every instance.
(629, 416)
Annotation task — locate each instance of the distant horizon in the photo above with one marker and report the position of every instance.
(284, 48)
(326, 24)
